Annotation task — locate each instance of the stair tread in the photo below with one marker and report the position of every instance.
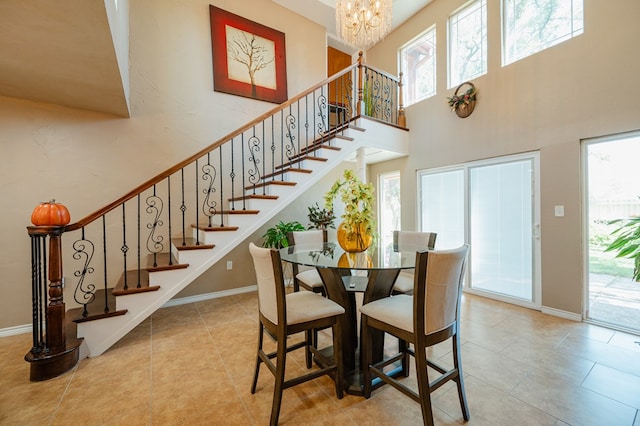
(164, 262)
(137, 282)
(216, 228)
(283, 171)
(271, 182)
(299, 159)
(190, 244)
(96, 309)
(238, 211)
(317, 146)
(254, 197)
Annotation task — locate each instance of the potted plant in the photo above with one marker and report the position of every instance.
(627, 242)
(276, 236)
(356, 231)
(320, 218)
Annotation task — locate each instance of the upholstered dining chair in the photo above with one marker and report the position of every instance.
(282, 315)
(307, 278)
(410, 241)
(430, 316)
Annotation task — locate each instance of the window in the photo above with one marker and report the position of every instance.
(532, 26)
(468, 43)
(389, 214)
(418, 67)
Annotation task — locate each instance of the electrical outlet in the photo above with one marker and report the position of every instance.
(229, 265)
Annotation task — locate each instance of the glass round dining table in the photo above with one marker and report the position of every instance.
(372, 273)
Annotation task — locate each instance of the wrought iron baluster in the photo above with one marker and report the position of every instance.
(322, 108)
(209, 204)
(37, 247)
(298, 127)
(183, 208)
(264, 164)
(169, 217)
(197, 203)
(282, 150)
(83, 251)
(273, 150)
(306, 118)
(124, 248)
(104, 266)
(155, 207)
(232, 175)
(138, 254)
(44, 293)
(221, 190)
(291, 138)
(244, 201)
(254, 161)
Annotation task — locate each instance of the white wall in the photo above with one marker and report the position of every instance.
(86, 160)
(585, 87)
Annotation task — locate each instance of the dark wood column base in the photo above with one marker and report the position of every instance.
(48, 366)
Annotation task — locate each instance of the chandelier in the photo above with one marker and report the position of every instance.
(363, 23)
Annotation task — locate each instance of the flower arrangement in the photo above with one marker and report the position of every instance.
(320, 218)
(463, 100)
(358, 201)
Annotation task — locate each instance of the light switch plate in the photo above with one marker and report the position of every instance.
(559, 211)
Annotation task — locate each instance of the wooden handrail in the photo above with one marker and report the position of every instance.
(158, 178)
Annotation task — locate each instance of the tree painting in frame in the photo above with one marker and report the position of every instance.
(248, 58)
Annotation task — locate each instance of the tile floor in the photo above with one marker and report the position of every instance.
(192, 365)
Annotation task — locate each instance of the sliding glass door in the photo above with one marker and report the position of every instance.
(611, 193)
(491, 205)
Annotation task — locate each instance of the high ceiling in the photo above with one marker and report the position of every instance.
(62, 52)
(323, 12)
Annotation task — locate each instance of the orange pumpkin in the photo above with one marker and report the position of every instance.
(50, 214)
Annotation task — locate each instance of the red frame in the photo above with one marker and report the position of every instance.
(221, 82)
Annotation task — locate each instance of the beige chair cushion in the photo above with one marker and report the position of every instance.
(410, 241)
(305, 306)
(311, 278)
(404, 283)
(266, 282)
(311, 240)
(396, 311)
(444, 272)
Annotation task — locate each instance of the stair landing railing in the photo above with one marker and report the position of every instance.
(119, 243)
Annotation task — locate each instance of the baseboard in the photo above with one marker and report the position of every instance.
(18, 329)
(562, 314)
(207, 296)
(23, 329)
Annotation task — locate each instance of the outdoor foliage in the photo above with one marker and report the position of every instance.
(627, 242)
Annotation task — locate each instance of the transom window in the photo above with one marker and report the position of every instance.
(468, 43)
(530, 26)
(418, 66)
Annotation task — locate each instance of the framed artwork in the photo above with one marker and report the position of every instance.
(248, 58)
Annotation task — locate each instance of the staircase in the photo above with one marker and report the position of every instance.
(158, 238)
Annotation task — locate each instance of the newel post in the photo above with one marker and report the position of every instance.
(52, 353)
(360, 103)
(402, 120)
(56, 308)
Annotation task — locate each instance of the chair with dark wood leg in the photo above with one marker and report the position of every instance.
(307, 278)
(430, 316)
(282, 315)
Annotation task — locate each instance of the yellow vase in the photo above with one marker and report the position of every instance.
(354, 240)
(355, 261)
